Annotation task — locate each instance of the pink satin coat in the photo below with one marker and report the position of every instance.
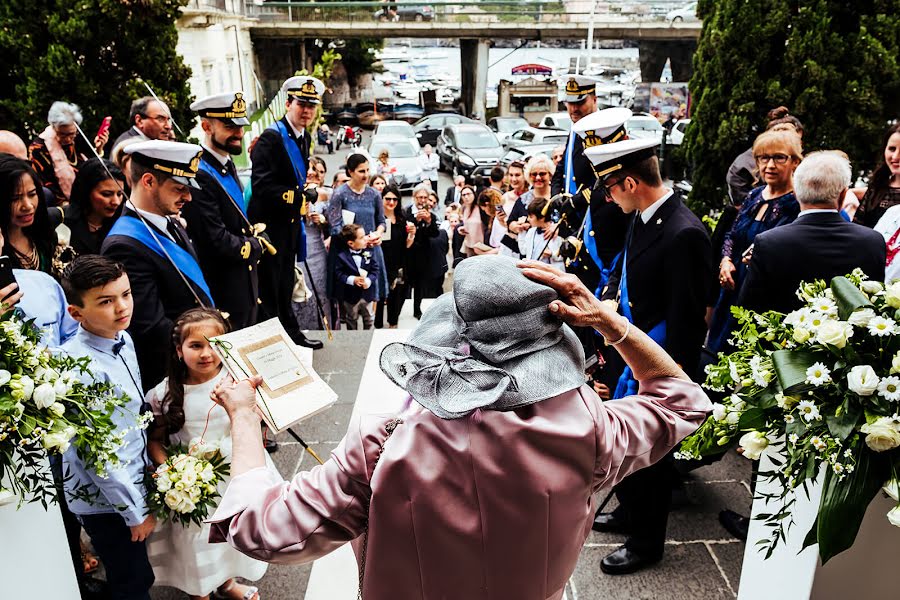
(496, 505)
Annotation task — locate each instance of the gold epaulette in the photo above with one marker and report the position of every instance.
(288, 197)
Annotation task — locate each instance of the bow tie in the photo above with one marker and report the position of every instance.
(356, 252)
(117, 347)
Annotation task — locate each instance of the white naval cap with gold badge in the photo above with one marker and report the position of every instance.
(577, 87)
(178, 160)
(304, 88)
(609, 158)
(229, 107)
(603, 127)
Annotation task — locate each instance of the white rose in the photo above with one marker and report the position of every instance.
(894, 516)
(5, 376)
(58, 441)
(801, 335)
(718, 411)
(732, 418)
(861, 318)
(207, 474)
(753, 443)
(871, 287)
(189, 477)
(58, 409)
(25, 385)
(892, 294)
(44, 396)
(173, 498)
(834, 333)
(862, 380)
(163, 483)
(60, 388)
(892, 489)
(6, 497)
(895, 364)
(881, 434)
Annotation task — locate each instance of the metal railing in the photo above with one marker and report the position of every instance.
(492, 11)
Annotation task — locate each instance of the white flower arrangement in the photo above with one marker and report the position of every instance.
(819, 388)
(185, 487)
(47, 404)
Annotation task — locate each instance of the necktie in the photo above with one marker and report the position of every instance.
(175, 233)
(232, 170)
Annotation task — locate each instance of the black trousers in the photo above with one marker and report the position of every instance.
(394, 304)
(276, 286)
(128, 571)
(645, 498)
(425, 287)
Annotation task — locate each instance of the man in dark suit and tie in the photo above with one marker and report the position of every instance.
(156, 251)
(819, 244)
(453, 193)
(216, 220)
(660, 286)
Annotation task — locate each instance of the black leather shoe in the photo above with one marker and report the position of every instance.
(302, 340)
(610, 523)
(624, 561)
(93, 589)
(735, 524)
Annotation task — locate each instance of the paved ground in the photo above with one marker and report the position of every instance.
(701, 561)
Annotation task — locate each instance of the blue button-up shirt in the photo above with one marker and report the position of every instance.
(123, 490)
(44, 301)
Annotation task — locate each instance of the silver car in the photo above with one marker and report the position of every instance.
(395, 128)
(403, 158)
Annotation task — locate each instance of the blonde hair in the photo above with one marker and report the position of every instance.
(539, 160)
(783, 141)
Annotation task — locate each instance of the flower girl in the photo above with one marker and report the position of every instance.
(181, 556)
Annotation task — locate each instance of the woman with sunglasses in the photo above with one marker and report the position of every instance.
(399, 237)
(777, 154)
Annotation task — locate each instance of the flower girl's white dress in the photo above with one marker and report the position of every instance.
(181, 556)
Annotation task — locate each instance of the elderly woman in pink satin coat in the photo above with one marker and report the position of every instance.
(483, 487)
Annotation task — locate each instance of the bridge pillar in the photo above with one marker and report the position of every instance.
(653, 57)
(473, 55)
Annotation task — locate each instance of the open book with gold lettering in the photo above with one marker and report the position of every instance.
(291, 390)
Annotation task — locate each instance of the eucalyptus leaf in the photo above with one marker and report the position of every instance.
(848, 297)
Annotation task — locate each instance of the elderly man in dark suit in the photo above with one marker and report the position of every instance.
(818, 245)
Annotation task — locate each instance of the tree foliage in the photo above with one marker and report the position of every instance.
(94, 53)
(834, 64)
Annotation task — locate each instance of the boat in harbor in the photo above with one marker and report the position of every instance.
(346, 115)
(408, 112)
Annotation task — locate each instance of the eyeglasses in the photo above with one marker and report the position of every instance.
(161, 119)
(608, 187)
(541, 174)
(779, 159)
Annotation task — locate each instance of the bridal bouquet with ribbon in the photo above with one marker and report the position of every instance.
(185, 487)
(819, 389)
(47, 404)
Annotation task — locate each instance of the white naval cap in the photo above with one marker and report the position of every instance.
(609, 158)
(577, 87)
(304, 88)
(229, 107)
(602, 127)
(178, 160)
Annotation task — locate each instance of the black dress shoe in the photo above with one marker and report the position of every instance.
(302, 340)
(624, 561)
(93, 589)
(610, 523)
(735, 524)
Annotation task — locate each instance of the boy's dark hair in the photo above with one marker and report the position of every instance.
(348, 232)
(536, 207)
(87, 272)
(497, 174)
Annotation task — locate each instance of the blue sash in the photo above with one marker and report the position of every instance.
(231, 187)
(132, 227)
(293, 152)
(569, 169)
(627, 385)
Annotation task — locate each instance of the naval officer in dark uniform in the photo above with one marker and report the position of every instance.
(280, 161)
(227, 250)
(156, 251)
(660, 286)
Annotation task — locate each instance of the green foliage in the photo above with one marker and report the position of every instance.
(833, 63)
(90, 52)
(358, 56)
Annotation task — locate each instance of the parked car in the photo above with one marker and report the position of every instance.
(430, 127)
(525, 153)
(557, 120)
(676, 136)
(403, 155)
(398, 128)
(405, 12)
(504, 126)
(680, 15)
(468, 149)
(536, 135)
(644, 126)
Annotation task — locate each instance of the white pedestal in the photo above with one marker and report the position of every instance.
(34, 554)
(867, 570)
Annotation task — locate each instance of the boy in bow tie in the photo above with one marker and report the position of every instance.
(356, 274)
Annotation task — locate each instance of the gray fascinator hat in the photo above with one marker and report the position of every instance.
(491, 344)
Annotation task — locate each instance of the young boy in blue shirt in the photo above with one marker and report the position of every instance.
(113, 510)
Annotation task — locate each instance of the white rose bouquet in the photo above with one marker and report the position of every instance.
(185, 487)
(47, 404)
(821, 386)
